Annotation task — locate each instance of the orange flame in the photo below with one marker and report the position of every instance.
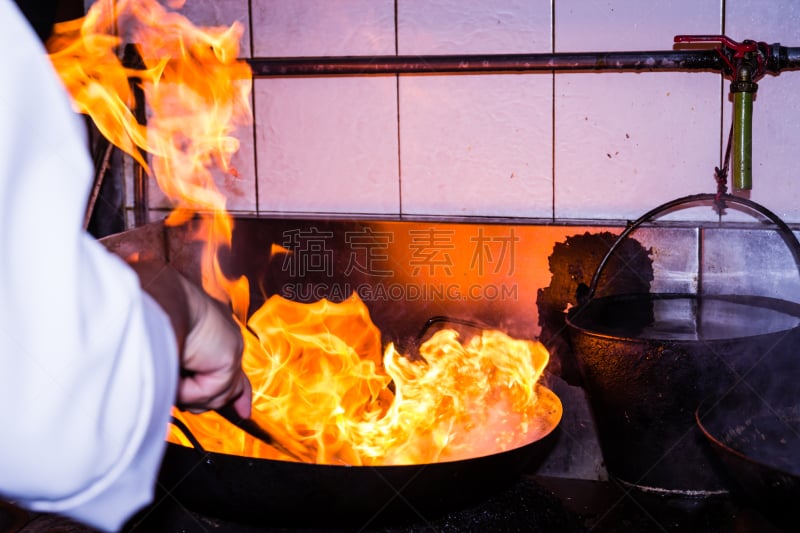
(322, 388)
(197, 93)
(322, 385)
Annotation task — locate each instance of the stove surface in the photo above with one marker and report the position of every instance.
(524, 506)
(532, 504)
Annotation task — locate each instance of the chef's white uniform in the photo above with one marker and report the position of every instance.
(88, 362)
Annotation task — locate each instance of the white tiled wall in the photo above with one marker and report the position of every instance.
(626, 142)
(597, 146)
(776, 111)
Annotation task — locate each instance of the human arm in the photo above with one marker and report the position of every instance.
(209, 341)
(88, 360)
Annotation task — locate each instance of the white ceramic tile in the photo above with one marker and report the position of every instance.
(611, 25)
(627, 142)
(327, 145)
(476, 145)
(762, 20)
(238, 186)
(473, 26)
(130, 218)
(322, 27)
(756, 261)
(675, 256)
(221, 13)
(776, 110)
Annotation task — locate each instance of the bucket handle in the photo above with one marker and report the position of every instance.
(786, 232)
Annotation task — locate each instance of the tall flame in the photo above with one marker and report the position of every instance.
(322, 385)
(197, 93)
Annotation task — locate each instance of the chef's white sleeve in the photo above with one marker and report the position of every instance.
(88, 362)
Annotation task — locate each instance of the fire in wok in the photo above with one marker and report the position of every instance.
(324, 386)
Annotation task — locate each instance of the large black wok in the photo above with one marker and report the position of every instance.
(274, 492)
(755, 432)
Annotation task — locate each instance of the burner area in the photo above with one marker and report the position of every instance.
(559, 495)
(524, 506)
(487, 272)
(534, 503)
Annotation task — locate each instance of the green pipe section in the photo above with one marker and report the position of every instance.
(743, 140)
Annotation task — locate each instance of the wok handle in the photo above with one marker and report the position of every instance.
(440, 319)
(251, 427)
(786, 232)
(178, 423)
(246, 425)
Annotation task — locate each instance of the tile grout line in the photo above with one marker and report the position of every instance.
(397, 105)
(553, 114)
(253, 111)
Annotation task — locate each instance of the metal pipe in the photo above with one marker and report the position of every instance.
(588, 61)
(707, 59)
(133, 60)
(727, 59)
(743, 138)
(101, 166)
(790, 57)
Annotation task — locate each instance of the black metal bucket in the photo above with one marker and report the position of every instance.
(648, 360)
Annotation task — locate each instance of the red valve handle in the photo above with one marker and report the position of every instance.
(739, 49)
(732, 50)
